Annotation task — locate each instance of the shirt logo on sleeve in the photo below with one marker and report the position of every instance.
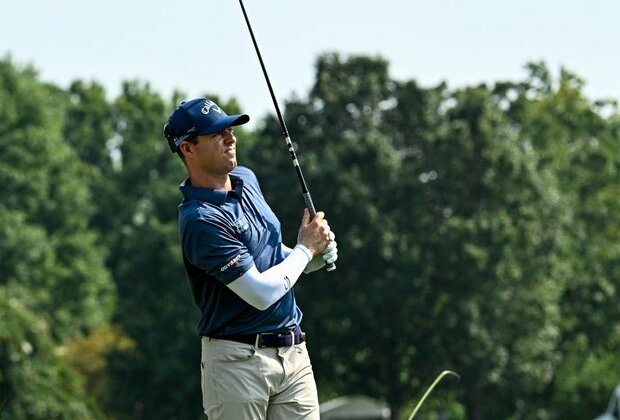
(230, 264)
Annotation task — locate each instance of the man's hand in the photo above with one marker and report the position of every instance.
(314, 234)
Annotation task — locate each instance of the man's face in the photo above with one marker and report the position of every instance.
(216, 153)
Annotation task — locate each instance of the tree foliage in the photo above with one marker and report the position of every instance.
(452, 240)
(51, 265)
(35, 382)
(478, 231)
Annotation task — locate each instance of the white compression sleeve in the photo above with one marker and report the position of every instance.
(262, 290)
(316, 263)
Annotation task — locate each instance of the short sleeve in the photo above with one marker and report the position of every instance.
(213, 247)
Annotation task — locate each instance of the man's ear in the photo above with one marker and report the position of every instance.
(186, 148)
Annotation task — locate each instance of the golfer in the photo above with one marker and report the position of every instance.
(254, 362)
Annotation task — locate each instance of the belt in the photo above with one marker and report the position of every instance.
(277, 339)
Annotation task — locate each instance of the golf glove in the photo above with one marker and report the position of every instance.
(328, 256)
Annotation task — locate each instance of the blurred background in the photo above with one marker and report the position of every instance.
(466, 155)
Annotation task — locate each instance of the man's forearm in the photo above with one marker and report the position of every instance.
(262, 290)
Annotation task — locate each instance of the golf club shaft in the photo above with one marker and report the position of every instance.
(287, 137)
(430, 389)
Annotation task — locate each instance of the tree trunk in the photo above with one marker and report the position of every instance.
(396, 410)
(472, 407)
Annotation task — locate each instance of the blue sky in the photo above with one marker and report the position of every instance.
(203, 46)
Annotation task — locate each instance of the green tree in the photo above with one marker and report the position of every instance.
(41, 183)
(443, 221)
(344, 152)
(499, 259)
(89, 130)
(53, 282)
(582, 147)
(478, 231)
(35, 382)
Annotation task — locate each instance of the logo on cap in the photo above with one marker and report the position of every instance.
(208, 105)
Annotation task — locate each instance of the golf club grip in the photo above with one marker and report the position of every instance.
(312, 210)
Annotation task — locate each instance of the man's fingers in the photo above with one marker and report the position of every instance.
(319, 216)
(315, 233)
(306, 217)
(330, 258)
(330, 247)
(330, 254)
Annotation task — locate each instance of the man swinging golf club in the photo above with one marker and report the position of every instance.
(255, 364)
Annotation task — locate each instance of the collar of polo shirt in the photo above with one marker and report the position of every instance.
(211, 195)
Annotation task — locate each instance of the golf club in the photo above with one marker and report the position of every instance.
(430, 389)
(287, 137)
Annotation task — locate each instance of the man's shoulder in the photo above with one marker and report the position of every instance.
(204, 220)
(193, 212)
(245, 173)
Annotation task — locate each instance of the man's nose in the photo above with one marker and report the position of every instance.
(229, 136)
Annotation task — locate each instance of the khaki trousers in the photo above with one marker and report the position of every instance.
(241, 381)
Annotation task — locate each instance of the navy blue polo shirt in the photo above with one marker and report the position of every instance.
(223, 234)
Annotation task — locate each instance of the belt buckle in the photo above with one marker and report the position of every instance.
(258, 344)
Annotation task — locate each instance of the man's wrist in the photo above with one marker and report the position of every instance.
(305, 250)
